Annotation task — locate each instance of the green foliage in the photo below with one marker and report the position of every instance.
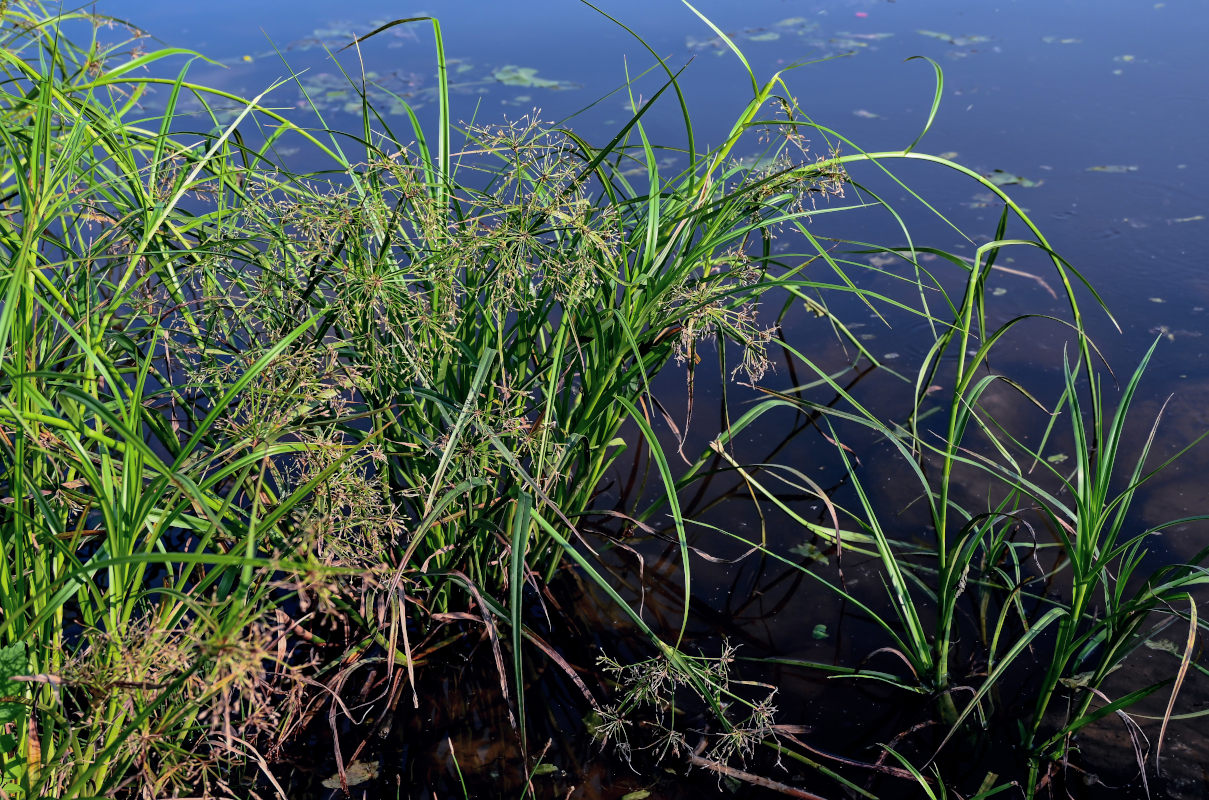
(393, 388)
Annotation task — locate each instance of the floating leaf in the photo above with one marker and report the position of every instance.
(1163, 646)
(1156, 300)
(512, 75)
(1060, 40)
(865, 114)
(544, 768)
(999, 291)
(355, 774)
(960, 41)
(873, 37)
(1001, 178)
(807, 550)
(820, 631)
(1115, 168)
(638, 794)
(889, 356)
(798, 25)
(1057, 458)
(766, 36)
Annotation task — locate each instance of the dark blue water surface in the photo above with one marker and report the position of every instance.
(1100, 109)
(1103, 105)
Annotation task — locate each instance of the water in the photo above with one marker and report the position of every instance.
(1099, 108)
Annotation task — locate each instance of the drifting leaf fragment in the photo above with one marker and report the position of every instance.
(355, 774)
(820, 631)
(1113, 168)
(1002, 178)
(1057, 458)
(960, 41)
(807, 550)
(527, 77)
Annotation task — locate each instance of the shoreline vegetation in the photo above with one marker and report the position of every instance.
(276, 445)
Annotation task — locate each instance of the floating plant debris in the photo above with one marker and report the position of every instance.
(355, 774)
(512, 75)
(1115, 168)
(960, 41)
(1001, 177)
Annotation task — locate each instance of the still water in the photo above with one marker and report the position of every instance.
(1099, 109)
(1093, 115)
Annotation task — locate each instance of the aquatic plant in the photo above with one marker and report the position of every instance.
(263, 429)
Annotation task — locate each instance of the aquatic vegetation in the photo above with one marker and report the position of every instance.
(266, 433)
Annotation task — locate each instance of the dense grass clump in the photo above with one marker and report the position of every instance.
(265, 431)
